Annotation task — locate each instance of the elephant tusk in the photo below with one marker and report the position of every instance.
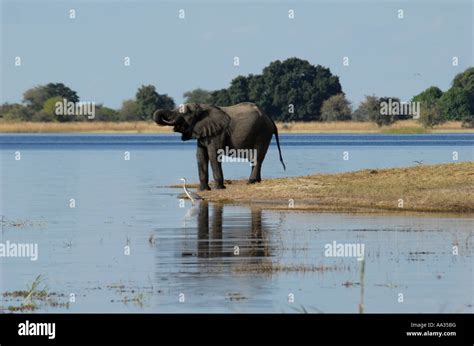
(167, 122)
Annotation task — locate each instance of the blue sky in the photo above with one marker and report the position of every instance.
(178, 55)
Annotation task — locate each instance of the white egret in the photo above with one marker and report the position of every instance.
(191, 195)
(195, 200)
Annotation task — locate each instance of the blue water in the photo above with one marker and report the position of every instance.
(154, 140)
(180, 249)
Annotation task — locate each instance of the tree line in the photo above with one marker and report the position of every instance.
(39, 104)
(289, 90)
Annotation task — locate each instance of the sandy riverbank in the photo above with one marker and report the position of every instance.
(444, 188)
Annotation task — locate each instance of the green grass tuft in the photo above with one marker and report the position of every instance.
(405, 131)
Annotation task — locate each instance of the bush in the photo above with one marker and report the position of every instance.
(383, 119)
(465, 80)
(430, 115)
(220, 98)
(49, 110)
(36, 97)
(456, 104)
(129, 111)
(383, 115)
(428, 97)
(148, 101)
(106, 114)
(336, 108)
(5, 108)
(15, 112)
(468, 122)
(43, 117)
(197, 96)
(367, 109)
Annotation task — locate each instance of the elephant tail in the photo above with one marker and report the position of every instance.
(275, 131)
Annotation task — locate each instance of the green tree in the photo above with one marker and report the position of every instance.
(368, 109)
(7, 107)
(37, 96)
(259, 93)
(59, 89)
(456, 104)
(50, 111)
(465, 80)
(166, 102)
(386, 114)
(220, 98)
(197, 96)
(129, 111)
(16, 112)
(105, 114)
(239, 89)
(287, 90)
(428, 97)
(430, 112)
(148, 101)
(294, 89)
(336, 108)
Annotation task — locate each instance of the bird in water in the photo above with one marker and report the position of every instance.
(195, 200)
(191, 195)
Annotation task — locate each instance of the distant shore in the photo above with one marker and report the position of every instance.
(400, 127)
(443, 188)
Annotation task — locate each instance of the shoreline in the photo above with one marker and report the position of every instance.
(400, 127)
(423, 189)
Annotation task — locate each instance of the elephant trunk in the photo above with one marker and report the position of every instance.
(164, 117)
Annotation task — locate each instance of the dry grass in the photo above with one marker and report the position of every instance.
(445, 188)
(406, 126)
(91, 127)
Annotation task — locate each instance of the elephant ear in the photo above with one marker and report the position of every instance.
(212, 121)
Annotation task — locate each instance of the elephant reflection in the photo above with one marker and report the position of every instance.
(242, 238)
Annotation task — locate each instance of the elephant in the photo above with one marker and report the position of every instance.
(242, 130)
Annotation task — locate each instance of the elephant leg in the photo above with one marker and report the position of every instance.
(203, 168)
(255, 175)
(216, 169)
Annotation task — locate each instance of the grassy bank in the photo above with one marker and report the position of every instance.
(400, 127)
(446, 188)
(405, 126)
(86, 127)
